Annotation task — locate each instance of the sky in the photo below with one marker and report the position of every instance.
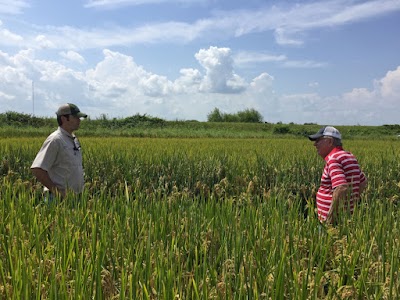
(330, 62)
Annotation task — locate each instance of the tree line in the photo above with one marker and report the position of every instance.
(16, 119)
(249, 115)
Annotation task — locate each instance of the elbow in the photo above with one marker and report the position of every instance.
(34, 171)
(37, 171)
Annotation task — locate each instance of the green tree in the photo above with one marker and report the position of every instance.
(215, 116)
(250, 116)
(232, 118)
(246, 116)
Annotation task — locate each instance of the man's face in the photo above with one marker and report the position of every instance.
(324, 146)
(71, 123)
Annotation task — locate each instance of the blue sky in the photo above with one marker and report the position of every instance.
(330, 62)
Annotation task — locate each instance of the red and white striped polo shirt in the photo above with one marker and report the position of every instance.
(341, 168)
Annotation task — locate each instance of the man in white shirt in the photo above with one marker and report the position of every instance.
(58, 164)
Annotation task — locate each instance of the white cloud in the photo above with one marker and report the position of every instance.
(13, 7)
(359, 11)
(262, 83)
(390, 85)
(250, 57)
(115, 75)
(6, 96)
(378, 105)
(9, 38)
(220, 77)
(289, 23)
(155, 85)
(305, 64)
(119, 87)
(294, 21)
(15, 86)
(113, 4)
(189, 81)
(73, 56)
(43, 42)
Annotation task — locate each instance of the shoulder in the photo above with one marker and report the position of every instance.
(335, 159)
(339, 154)
(55, 138)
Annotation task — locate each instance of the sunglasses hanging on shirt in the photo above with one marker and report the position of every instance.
(77, 145)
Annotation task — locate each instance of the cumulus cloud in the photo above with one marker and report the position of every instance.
(189, 81)
(220, 77)
(155, 85)
(119, 79)
(390, 84)
(119, 74)
(380, 103)
(118, 86)
(262, 83)
(15, 86)
(375, 106)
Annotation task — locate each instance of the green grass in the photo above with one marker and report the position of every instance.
(193, 129)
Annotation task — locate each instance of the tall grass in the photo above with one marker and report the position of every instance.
(197, 219)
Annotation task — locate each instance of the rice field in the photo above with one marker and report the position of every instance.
(202, 218)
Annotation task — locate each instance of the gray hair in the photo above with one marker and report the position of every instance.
(337, 142)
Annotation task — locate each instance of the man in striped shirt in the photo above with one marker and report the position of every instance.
(342, 180)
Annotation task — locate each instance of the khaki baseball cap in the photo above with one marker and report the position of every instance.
(70, 109)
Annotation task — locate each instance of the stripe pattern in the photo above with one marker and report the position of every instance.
(341, 168)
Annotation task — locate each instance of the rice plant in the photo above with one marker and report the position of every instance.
(197, 219)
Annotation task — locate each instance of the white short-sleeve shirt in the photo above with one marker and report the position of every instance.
(61, 157)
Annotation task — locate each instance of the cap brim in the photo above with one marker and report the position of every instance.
(81, 115)
(315, 137)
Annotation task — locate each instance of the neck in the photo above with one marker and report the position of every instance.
(67, 129)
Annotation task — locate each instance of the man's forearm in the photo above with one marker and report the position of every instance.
(363, 185)
(339, 193)
(45, 179)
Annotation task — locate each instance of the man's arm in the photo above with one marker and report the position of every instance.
(363, 185)
(339, 193)
(45, 179)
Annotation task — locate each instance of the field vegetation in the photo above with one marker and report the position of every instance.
(17, 124)
(196, 210)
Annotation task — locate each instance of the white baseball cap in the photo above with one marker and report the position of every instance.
(326, 131)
